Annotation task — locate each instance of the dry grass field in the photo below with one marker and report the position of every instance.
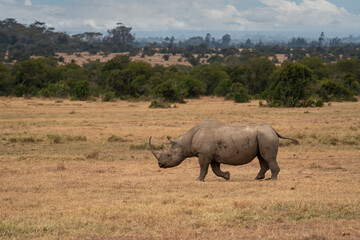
(82, 58)
(82, 170)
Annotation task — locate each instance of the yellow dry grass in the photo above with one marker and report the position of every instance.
(68, 171)
(157, 59)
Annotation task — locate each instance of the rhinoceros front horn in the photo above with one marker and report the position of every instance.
(152, 150)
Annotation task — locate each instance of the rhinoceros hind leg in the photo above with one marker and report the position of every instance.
(264, 166)
(215, 166)
(268, 148)
(274, 167)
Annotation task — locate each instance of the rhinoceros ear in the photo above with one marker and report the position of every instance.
(172, 141)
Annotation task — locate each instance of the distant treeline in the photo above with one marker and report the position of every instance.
(19, 42)
(308, 82)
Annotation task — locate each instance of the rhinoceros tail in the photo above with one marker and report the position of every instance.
(292, 139)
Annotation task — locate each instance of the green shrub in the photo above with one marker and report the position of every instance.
(168, 91)
(44, 93)
(159, 103)
(59, 90)
(333, 91)
(20, 90)
(290, 87)
(109, 97)
(319, 103)
(81, 90)
(223, 87)
(238, 93)
(191, 87)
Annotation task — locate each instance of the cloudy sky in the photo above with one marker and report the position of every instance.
(201, 15)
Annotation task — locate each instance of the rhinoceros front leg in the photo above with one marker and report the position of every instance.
(215, 166)
(204, 162)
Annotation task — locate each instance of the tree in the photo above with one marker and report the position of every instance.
(290, 86)
(247, 44)
(317, 66)
(351, 65)
(34, 72)
(223, 87)
(81, 90)
(120, 37)
(255, 74)
(59, 90)
(208, 40)
(117, 82)
(238, 93)
(229, 51)
(191, 87)
(210, 75)
(167, 90)
(226, 40)
(332, 91)
(118, 62)
(6, 83)
(191, 59)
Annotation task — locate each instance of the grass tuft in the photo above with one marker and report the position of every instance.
(29, 139)
(93, 155)
(114, 138)
(61, 166)
(145, 145)
(56, 138)
(76, 138)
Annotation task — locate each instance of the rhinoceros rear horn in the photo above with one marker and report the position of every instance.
(172, 141)
(152, 150)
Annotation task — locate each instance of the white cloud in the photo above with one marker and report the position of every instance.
(307, 14)
(27, 3)
(94, 15)
(91, 23)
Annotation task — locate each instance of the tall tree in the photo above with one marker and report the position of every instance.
(120, 36)
(226, 40)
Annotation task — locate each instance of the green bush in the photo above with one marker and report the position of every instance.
(291, 86)
(59, 90)
(44, 93)
(81, 90)
(319, 103)
(223, 87)
(20, 90)
(238, 93)
(168, 91)
(191, 87)
(160, 103)
(109, 97)
(333, 91)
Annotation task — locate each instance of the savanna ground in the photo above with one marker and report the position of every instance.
(157, 59)
(82, 170)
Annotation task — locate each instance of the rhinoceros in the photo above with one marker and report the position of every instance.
(216, 143)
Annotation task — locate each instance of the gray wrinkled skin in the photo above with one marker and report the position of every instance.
(216, 143)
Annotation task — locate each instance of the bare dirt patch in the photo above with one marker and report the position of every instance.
(86, 186)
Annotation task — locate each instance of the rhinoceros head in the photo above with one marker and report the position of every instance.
(170, 158)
